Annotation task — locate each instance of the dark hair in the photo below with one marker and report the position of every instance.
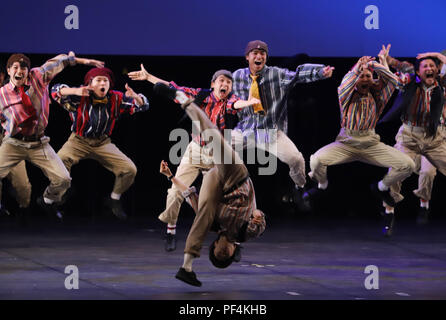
(418, 62)
(223, 263)
(21, 58)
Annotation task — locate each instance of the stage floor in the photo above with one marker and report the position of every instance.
(295, 259)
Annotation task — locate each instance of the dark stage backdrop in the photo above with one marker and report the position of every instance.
(144, 137)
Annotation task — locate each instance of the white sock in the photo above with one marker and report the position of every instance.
(382, 186)
(390, 210)
(115, 196)
(424, 203)
(48, 201)
(322, 186)
(187, 264)
(181, 97)
(171, 228)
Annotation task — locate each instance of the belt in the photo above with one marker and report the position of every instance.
(236, 186)
(359, 132)
(33, 138)
(414, 128)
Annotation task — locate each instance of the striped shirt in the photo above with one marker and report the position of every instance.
(362, 111)
(96, 120)
(273, 83)
(11, 105)
(235, 213)
(216, 110)
(418, 114)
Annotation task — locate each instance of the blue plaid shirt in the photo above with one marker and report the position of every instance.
(273, 83)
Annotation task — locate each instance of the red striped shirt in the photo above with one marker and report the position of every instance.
(361, 112)
(11, 104)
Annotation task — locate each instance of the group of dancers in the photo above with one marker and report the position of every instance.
(251, 102)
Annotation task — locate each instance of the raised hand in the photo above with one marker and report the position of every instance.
(363, 62)
(437, 55)
(129, 92)
(139, 75)
(328, 71)
(164, 169)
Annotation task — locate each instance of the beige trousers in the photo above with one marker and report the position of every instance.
(42, 155)
(426, 174)
(20, 182)
(414, 142)
(364, 146)
(222, 177)
(281, 147)
(106, 153)
(196, 159)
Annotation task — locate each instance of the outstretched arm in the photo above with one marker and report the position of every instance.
(144, 75)
(245, 103)
(55, 65)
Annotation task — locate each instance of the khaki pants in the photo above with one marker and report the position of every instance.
(196, 159)
(222, 177)
(20, 182)
(106, 153)
(42, 155)
(364, 146)
(413, 142)
(281, 147)
(427, 173)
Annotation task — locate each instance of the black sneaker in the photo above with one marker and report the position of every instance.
(116, 208)
(312, 194)
(423, 216)
(383, 195)
(388, 221)
(170, 242)
(302, 204)
(188, 277)
(51, 210)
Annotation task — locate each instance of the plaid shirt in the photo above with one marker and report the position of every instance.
(361, 112)
(418, 113)
(273, 83)
(96, 120)
(11, 105)
(235, 213)
(215, 109)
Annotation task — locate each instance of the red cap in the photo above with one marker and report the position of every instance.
(105, 72)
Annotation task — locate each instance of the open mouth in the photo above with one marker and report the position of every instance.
(102, 89)
(429, 76)
(364, 86)
(18, 78)
(223, 91)
(258, 63)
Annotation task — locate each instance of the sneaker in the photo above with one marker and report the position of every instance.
(423, 216)
(170, 242)
(388, 221)
(188, 277)
(383, 195)
(312, 194)
(302, 204)
(116, 208)
(51, 210)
